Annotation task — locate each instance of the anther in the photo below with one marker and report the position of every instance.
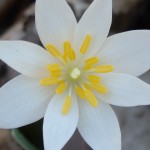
(85, 44)
(67, 105)
(80, 92)
(91, 61)
(49, 81)
(104, 69)
(55, 70)
(99, 88)
(68, 51)
(61, 88)
(53, 50)
(91, 98)
(94, 79)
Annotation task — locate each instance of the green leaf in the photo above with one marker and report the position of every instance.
(21, 140)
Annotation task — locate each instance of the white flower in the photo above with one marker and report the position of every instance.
(72, 84)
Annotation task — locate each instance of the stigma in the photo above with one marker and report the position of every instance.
(75, 73)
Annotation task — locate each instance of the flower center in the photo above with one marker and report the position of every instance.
(77, 75)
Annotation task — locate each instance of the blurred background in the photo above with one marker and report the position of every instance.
(17, 23)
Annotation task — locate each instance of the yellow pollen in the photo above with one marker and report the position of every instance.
(67, 48)
(94, 79)
(85, 44)
(49, 81)
(100, 88)
(72, 55)
(86, 86)
(88, 67)
(91, 98)
(91, 61)
(54, 67)
(68, 51)
(75, 73)
(55, 73)
(55, 70)
(64, 58)
(80, 92)
(67, 105)
(104, 69)
(61, 88)
(53, 50)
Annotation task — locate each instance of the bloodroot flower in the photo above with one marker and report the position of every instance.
(72, 83)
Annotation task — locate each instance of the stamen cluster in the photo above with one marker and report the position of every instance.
(72, 75)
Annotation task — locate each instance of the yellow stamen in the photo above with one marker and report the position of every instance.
(100, 88)
(91, 98)
(88, 67)
(49, 81)
(55, 70)
(61, 88)
(64, 58)
(72, 55)
(54, 67)
(80, 92)
(68, 51)
(104, 69)
(79, 79)
(94, 79)
(67, 48)
(67, 105)
(55, 74)
(86, 86)
(91, 61)
(86, 44)
(53, 50)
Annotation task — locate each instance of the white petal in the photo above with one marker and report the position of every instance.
(58, 128)
(96, 21)
(99, 126)
(55, 21)
(125, 90)
(23, 101)
(26, 58)
(129, 52)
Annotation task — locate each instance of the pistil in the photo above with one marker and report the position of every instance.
(75, 73)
